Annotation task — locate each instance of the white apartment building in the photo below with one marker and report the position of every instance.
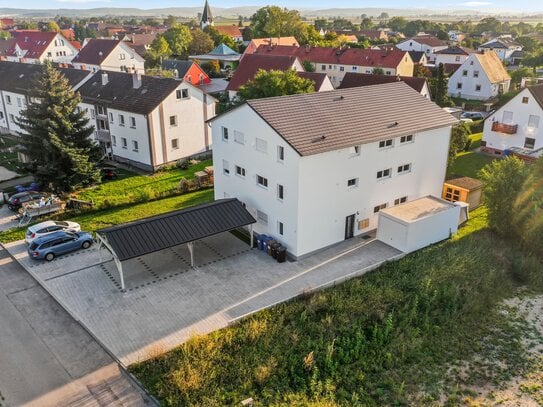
(316, 169)
(516, 125)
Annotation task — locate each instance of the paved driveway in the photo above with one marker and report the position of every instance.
(47, 358)
(166, 301)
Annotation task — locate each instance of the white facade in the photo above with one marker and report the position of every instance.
(321, 193)
(503, 51)
(59, 50)
(470, 81)
(12, 104)
(524, 112)
(413, 45)
(450, 59)
(418, 224)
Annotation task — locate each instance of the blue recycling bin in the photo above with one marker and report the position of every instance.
(260, 241)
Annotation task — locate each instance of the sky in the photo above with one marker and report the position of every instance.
(482, 5)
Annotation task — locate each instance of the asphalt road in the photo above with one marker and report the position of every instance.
(46, 357)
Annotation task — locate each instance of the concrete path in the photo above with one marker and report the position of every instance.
(167, 301)
(46, 357)
(6, 174)
(8, 219)
(17, 181)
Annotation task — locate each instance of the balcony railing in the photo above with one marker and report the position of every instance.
(103, 135)
(504, 128)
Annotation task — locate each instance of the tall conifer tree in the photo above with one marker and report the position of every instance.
(56, 136)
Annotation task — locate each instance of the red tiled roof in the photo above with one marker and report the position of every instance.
(317, 78)
(7, 47)
(95, 51)
(33, 42)
(348, 56)
(456, 50)
(230, 30)
(6, 22)
(429, 40)
(250, 64)
(353, 80)
(449, 69)
(69, 34)
(76, 44)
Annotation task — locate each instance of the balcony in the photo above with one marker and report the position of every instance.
(103, 135)
(504, 128)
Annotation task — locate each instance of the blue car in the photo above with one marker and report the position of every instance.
(57, 243)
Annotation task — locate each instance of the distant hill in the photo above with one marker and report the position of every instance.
(191, 12)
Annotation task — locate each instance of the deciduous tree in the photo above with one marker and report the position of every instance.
(275, 83)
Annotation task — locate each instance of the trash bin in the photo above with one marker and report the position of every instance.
(265, 242)
(274, 248)
(281, 254)
(270, 244)
(260, 241)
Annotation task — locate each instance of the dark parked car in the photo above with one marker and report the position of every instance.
(472, 115)
(15, 202)
(57, 243)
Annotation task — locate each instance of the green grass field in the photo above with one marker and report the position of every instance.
(420, 331)
(468, 164)
(8, 159)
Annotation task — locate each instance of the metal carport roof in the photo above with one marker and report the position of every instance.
(171, 229)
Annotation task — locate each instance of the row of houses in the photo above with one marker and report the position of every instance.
(142, 120)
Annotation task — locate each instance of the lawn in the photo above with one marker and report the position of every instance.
(476, 139)
(92, 221)
(468, 164)
(420, 331)
(9, 159)
(130, 187)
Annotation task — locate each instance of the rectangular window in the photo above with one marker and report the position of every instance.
(225, 167)
(459, 85)
(401, 200)
(8, 99)
(355, 68)
(379, 207)
(341, 68)
(280, 192)
(101, 110)
(110, 117)
(529, 142)
(402, 169)
(323, 67)
(262, 217)
(175, 144)
(507, 117)
(533, 121)
(121, 120)
(135, 146)
(114, 140)
(1, 115)
(280, 228)
(406, 139)
(386, 143)
(525, 99)
(185, 93)
(353, 182)
(178, 94)
(240, 171)
(132, 122)
(262, 181)
(280, 153)
(475, 74)
(457, 58)
(261, 145)
(224, 133)
(124, 144)
(465, 72)
(93, 115)
(122, 56)
(239, 137)
(173, 121)
(12, 118)
(19, 102)
(477, 88)
(384, 173)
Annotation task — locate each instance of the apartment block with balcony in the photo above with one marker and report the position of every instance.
(516, 128)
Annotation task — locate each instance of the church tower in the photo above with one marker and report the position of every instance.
(207, 17)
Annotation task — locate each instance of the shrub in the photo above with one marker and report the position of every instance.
(183, 164)
(183, 186)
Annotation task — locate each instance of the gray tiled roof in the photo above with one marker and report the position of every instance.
(174, 228)
(318, 122)
(119, 92)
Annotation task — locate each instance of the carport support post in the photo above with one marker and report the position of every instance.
(120, 268)
(191, 251)
(251, 235)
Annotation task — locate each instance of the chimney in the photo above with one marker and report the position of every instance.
(105, 79)
(136, 80)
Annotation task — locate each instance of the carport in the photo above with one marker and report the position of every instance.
(161, 232)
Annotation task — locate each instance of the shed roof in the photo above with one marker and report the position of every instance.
(466, 183)
(174, 228)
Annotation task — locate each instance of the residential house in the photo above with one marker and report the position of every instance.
(418, 57)
(321, 81)
(231, 31)
(353, 80)
(480, 77)
(253, 45)
(147, 121)
(425, 43)
(453, 55)
(15, 88)
(316, 169)
(504, 47)
(6, 23)
(109, 55)
(336, 62)
(140, 42)
(372, 35)
(517, 126)
(227, 57)
(35, 47)
(8, 47)
(189, 71)
(455, 36)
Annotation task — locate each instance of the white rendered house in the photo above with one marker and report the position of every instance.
(480, 77)
(424, 43)
(108, 55)
(316, 169)
(517, 125)
(35, 47)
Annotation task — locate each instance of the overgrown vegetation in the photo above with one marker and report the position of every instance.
(419, 331)
(8, 155)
